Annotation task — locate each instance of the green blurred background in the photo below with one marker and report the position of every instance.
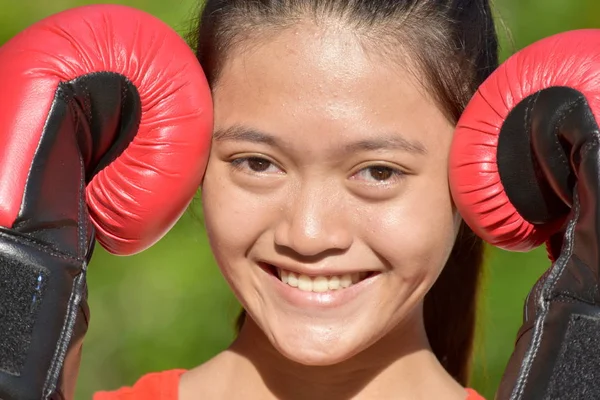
(169, 306)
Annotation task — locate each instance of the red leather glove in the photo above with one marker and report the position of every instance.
(105, 125)
(525, 169)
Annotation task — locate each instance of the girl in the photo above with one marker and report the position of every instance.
(326, 199)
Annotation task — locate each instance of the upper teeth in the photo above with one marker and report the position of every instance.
(319, 283)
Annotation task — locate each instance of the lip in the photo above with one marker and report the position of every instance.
(310, 272)
(323, 300)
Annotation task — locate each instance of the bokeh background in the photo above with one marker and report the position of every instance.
(169, 307)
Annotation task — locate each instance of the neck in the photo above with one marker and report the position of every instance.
(400, 365)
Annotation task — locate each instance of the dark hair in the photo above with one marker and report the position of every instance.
(454, 47)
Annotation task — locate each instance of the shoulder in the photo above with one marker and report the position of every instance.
(473, 395)
(157, 385)
(213, 378)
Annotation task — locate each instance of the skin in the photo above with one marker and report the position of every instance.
(345, 171)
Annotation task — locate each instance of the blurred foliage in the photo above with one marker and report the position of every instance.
(169, 307)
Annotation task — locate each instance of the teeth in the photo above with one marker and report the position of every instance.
(305, 283)
(320, 284)
(292, 279)
(333, 283)
(345, 281)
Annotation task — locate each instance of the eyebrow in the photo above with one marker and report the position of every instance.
(242, 134)
(391, 142)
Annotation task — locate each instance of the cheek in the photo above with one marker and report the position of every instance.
(416, 234)
(226, 225)
(234, 218)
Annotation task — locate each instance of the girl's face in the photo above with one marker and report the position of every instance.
(326, 198)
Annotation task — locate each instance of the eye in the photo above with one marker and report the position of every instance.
(255, 165)
(379, 174)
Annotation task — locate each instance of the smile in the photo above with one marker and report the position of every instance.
(318, 283)
(322, 283)
(326, 290)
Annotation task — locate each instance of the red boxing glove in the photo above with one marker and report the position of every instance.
(524, 170)
(105, 126)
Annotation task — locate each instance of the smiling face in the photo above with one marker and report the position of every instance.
(326, 198)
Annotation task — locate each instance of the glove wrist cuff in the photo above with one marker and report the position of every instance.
(41, 294)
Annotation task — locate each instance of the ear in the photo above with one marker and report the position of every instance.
(458, 220)
(457, 217)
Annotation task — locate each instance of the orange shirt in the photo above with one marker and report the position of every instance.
(165, 385)
(153, 386)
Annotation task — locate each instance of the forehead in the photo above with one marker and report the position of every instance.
(322, 83)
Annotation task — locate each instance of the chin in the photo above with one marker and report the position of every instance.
(314, 349)
(314, 356)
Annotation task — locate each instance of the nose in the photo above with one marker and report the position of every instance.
(314, 223)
